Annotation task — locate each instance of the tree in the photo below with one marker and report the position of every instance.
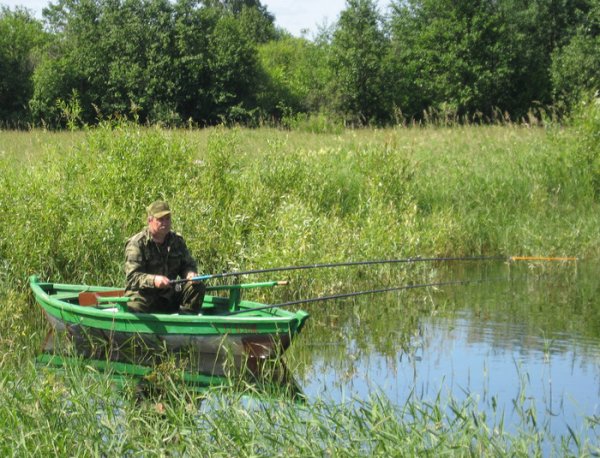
(357, 51)
(295, 75)
(139, 41)
(76, 62)
(256, 21)
(454, 57)
(233, 64)
(192, 68)
(151, 59)
(21, 36)
(477, 56)
(575, 66)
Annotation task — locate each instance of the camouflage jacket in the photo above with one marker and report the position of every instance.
(144, 259)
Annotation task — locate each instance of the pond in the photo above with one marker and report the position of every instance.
(521, 341)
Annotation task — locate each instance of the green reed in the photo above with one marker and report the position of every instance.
(259, 198)
(49, 412)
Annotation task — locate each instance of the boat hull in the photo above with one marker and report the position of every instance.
(211, 342)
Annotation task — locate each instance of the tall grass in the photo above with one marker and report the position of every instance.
(260, 198)
(245, 199)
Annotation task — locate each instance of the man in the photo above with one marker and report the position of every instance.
(155, 256)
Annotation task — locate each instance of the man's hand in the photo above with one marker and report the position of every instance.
(191, 275)
(160, 281)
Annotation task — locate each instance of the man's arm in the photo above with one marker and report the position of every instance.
(135, 271)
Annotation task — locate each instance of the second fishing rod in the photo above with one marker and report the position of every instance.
(372, 262)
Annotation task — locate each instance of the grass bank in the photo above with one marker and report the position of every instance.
(259, 198)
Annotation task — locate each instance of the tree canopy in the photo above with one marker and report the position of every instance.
(214, 61)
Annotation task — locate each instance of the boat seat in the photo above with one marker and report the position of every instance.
(90, 298)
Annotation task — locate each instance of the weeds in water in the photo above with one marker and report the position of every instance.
(48, 412)
(44, 410)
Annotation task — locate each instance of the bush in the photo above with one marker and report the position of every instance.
(587, 125)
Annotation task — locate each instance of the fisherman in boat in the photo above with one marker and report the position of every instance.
(153, 258)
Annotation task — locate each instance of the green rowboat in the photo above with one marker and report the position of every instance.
(95, 319)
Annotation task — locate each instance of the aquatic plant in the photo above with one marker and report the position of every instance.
(44, 412)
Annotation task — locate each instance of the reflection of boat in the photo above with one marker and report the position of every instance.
(97, 323)
(270, 380)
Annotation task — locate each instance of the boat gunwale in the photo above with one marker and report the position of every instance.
(93, 312)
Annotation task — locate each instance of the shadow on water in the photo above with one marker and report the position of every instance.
(524, 345)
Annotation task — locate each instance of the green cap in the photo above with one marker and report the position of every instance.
(159, 209)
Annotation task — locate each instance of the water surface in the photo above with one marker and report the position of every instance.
(523, 345)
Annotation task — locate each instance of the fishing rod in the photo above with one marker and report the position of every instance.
(381, 261)
(337, 264)
(358, 293)
(541, 258)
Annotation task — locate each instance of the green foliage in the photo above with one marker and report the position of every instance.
(461, 58)
(575, 70)
(193, 74)
(357, 52)
(257, 23)
(313, 123)
(150, 60)
(110, 177)
(233, 66)
(295, 78)
(20, 38)
(399, 193)
(576, 65)
(204, 63)
(587, 124)
(470, 59)
(56, 412)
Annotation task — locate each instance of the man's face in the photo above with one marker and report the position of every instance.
(159, 227)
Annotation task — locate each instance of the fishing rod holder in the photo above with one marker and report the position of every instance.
(235, 291)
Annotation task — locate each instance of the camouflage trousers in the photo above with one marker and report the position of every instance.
(185, 297)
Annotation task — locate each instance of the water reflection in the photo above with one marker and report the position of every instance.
(261, 379)
(530, 340)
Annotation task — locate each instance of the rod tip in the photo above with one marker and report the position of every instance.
(542, 258)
